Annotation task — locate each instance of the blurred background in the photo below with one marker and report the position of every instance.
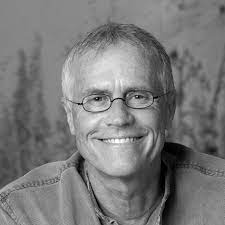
(35, 37)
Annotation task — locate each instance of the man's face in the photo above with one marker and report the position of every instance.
(120, 141)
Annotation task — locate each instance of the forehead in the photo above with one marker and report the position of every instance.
(120, 66)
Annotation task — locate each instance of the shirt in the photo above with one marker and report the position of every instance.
(155, 213)
(56, 194)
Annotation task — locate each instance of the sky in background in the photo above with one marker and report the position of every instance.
(59, 22)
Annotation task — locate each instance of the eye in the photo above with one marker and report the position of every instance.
(97, 98)
(138, 99)
(138, 96)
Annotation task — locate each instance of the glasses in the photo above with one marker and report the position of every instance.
(134, 99)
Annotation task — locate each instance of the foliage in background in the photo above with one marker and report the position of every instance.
(198, 124)
(29, 140)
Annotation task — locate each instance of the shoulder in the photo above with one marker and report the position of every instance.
(197, 189)
(39, 189)
(46, 174)
(187, 158)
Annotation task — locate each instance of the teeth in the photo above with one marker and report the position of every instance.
(119, 140)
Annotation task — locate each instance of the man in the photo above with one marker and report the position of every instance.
(119, 96)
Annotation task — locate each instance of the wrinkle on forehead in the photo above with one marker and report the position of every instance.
(149, 63)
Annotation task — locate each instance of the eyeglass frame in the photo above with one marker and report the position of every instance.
(123, 99)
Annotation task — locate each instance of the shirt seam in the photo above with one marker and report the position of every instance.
(36, 183)
(201, 169)
(5, 205)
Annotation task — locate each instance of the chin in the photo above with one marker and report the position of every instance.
(121, 169)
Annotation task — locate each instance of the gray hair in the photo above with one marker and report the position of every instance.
(111, 34)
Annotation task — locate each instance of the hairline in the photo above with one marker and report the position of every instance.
(158, 52)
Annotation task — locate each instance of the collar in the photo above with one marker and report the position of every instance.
(157, 211)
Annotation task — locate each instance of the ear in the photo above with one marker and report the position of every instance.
(171, 107)
(69, 115)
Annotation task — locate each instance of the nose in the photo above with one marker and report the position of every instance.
(118, 114)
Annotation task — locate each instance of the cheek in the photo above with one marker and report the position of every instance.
(85, 124)
(81, 127)
(82, 130)
(151, 119)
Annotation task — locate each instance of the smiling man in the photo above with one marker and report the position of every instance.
(119, 97)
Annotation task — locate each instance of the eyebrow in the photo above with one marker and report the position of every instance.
(94, 90)
(135, 88)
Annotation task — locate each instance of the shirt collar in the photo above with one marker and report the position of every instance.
(156, 215)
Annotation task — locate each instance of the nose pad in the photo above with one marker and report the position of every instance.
(118, 114)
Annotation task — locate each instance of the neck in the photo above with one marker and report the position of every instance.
(127, 199)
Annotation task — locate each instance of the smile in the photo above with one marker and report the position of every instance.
(120, 140)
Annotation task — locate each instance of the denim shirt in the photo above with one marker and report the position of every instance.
(56, 194)
(155, 212)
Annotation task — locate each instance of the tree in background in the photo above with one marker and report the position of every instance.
(211, 130)
(187, 71)
(8, 164)
(39, 125)
(28, 140)
(198, 121)
(21, 116)
(26, 131)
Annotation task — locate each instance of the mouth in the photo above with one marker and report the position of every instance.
(125, 140)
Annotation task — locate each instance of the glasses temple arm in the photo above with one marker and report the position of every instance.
(158, 96)
(78, 103)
